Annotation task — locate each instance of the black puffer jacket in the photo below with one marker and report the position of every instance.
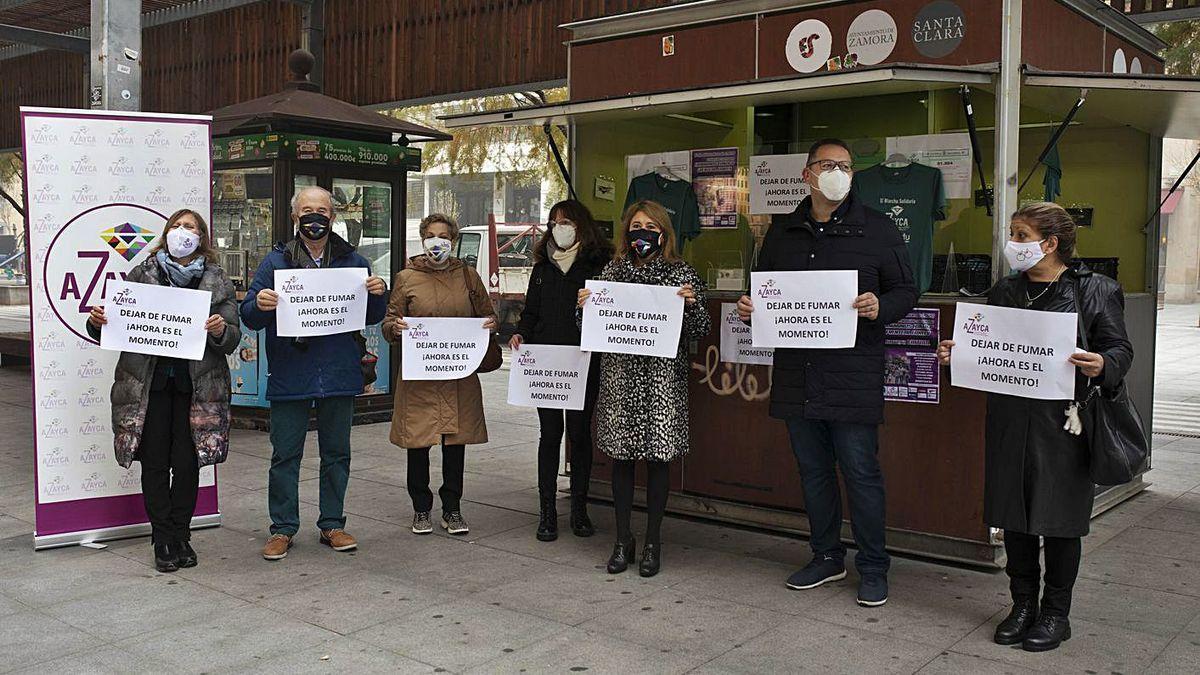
(549, 314)
(839, 384)
(1036, 478)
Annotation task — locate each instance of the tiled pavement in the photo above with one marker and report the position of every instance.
(499, 601)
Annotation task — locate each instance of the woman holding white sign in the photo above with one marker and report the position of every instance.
(1037, 480)
(429, 412)
(642, 409)
(170, 414)
(572, 251)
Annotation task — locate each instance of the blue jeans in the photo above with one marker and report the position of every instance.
(819, 445)
(289, 425)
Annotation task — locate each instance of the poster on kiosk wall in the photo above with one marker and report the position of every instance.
(99, 187)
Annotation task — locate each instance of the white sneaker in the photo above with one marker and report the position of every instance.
(454, 523)
(422, 524)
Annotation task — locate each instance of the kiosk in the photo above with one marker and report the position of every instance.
(725, 93)
(267, 148)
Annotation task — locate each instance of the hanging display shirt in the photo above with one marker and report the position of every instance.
(914, 198)
(676, 196)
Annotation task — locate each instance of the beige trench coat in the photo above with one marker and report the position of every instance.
(431, 412)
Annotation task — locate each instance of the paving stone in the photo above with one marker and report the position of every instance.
(29, 637)
(579, 651)
(810, 646)
(459, 635)
(349, 603)
(105, 660)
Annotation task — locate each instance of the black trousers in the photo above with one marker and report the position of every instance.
(1062, 568)
(170, 472)
(658, 481)
(579, 432)
(453, 462)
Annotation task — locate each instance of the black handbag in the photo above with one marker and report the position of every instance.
(1115, 434)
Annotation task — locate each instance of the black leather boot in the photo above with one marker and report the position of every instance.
(548, 520)
(185, 554)
(651, 560)
(623, 552)
(1022, 617)
(165, 558)
(1048, 633)
(581, 525)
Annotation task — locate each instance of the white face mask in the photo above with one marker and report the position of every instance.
(437, 248)
(834, 184)
(564, 235)
(1023, 255)
(181, 243)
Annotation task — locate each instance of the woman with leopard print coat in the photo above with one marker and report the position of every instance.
(642, 409)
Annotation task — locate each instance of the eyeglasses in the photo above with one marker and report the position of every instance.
(829, 165)
(564, 223)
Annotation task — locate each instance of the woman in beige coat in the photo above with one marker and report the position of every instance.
(428, 412)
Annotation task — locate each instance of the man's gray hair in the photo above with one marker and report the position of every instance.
(312, 188)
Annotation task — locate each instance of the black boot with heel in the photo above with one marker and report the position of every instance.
(548, 520)
(1013, 629)
(581, 525)
(623, 553)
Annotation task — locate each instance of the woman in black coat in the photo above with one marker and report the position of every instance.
(1036, 472)
(571, 251)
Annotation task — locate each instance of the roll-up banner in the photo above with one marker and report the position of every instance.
(99, 187)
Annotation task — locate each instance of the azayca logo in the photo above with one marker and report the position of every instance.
(526, 359)
(120, 167)
(603, 298)
(93, 454)
(124, 298)
(158, 196)
(83, 137)
(192, 140)
(194, 197)
(90, 369)
(417, 330)
(121, 195)
(975, 325)
(54, 429)
(157, 140)
(120, 138)
(763, 169)
(91, 397)
(44, 224)
(292, 285)
(53, 401)
(85, 195)
(44, 134)
(54, 458)
(92, 426)
(93, 483)
(52, 371)
(51, 342)
(129, 479)
(158, 169)
(46, 195)
(43, 165)
(56, 487)
(193, 169)
(83, 167)
(768, 290)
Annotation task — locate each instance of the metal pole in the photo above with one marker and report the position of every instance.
(1008, 129)
(116, 58)
(312, 38)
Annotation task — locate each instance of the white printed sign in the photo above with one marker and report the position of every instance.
(440, 348)
(157, 320)
(737, 345)
(951, 153)
(804, 310)
(678, 162)
(549, 376)
(777, 183)
(101, 185)
(320, 301)
(632, 319)
(1019, 352)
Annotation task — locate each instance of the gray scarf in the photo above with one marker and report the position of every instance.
(180, 275)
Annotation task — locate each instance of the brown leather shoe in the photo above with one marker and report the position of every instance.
(277, 547)
(338, 540)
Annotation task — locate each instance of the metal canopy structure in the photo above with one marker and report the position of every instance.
(1160, 105)
(301, 107)
(874, 81)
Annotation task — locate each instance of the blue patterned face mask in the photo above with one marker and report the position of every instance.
(644, 243)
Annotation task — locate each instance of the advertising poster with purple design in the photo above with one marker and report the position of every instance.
(99, 188)
(714, 180)
(910, 372)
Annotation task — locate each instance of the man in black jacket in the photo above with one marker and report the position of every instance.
(832, 399)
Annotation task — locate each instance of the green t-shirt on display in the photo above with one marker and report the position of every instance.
(676, 196)
(913, 197)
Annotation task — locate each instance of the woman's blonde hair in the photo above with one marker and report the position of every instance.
(432, 218)
(657, 213)
(205, 248)
(1051, 220)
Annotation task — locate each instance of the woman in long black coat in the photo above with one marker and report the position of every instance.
(572, 251)
(1036, 471)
